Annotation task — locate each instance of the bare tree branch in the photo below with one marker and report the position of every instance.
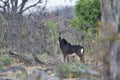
(12, 6)
(2, 7)
(32, 5)
(22, 6)
(2, 1)
(45, 4)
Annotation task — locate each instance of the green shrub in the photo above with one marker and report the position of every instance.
(5, 60)
(1, 64)
(67, 69)
(87, 13)
(20, 75)
(53, 31)
(43, 56)
(51, 41)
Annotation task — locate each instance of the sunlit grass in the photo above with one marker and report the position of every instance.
(67, 70)
(43, 56)
(5, 60)
(20, 75)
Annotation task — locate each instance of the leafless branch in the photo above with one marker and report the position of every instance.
(2, 7)
(45, 4)
(32, 5)
(22, 6)
(2, 1)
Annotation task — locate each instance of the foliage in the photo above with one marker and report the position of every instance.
(5, 60)
(3, 22)
(53, 35)
(53, 30)
(67, 69)
(87, 13)
(20, 75)
(1, 64)
(43, 56)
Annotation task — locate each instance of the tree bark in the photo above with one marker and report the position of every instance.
(110, 18)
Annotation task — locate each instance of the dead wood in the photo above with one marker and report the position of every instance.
(27, 60)
(4, 50)
(37, 75)
(88, 72)
(38, 60)
(21, 57)
(14, 69)
(7, 78)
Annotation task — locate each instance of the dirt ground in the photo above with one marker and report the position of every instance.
(47, 72)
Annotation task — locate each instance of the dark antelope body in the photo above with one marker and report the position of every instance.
(67, 49)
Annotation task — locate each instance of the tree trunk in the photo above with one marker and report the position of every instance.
(110, 18)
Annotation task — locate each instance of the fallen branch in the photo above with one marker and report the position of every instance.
(4, 50)
(21, 57)
(37, 75)
(7, 78)
(25, 59)
(89, 72)
(38, 60)
(14, 69)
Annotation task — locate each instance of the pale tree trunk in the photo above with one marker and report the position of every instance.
(110, 18)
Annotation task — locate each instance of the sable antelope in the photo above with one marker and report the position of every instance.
(67, 49)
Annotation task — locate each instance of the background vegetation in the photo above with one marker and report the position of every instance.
(87, 15)
(29, 48)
